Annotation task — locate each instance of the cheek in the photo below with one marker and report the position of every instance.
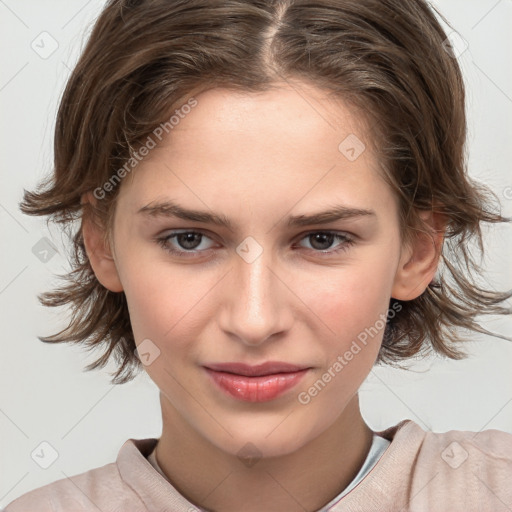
(351, 298)
(164, 302)
(353, 304)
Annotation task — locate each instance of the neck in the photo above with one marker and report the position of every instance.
(306, 479)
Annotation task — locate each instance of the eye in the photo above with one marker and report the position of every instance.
(322, 239)
(190, 242)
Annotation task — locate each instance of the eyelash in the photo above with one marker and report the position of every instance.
(164, 243)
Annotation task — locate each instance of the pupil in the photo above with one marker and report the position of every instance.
(185, 239)
(325, 239)
(322, 236)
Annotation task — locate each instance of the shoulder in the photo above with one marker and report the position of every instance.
(101, 488)
(487, 450)
(468, 470)
(424, 471)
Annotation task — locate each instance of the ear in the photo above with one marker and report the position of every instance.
(419, 261)
(98, 250)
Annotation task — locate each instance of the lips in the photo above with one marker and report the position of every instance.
(268, 368)
(258, 383)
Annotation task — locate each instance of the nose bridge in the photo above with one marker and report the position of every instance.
(257, 307)
(255, 281)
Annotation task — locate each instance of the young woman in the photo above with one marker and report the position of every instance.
(273, 198)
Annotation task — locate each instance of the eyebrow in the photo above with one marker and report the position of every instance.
(172, 209)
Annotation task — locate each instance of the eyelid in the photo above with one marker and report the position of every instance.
(347, 240)
(298, 237)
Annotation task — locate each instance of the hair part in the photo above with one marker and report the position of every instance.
(383, 57)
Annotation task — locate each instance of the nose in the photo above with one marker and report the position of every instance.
(256, 301)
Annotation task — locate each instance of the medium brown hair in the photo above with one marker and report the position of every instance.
(388, 58)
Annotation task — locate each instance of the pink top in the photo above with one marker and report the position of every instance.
(378, 447)
(455, 471)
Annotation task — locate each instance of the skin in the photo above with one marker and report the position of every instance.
(258, 158)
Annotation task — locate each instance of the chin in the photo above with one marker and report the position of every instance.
(248, 448)
(274, 438)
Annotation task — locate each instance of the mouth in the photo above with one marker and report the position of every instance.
(259, 383)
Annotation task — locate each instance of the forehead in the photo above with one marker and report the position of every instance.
(278, 147)
(290, 111)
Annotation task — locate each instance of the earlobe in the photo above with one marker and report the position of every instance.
(418, 264)
(100, 254)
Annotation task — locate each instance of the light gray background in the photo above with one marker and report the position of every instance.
(45, 395)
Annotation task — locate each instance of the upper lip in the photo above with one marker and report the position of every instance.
(267, 368)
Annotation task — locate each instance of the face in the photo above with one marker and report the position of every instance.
(268, 287)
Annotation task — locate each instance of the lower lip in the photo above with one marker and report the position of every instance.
(256, 389)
